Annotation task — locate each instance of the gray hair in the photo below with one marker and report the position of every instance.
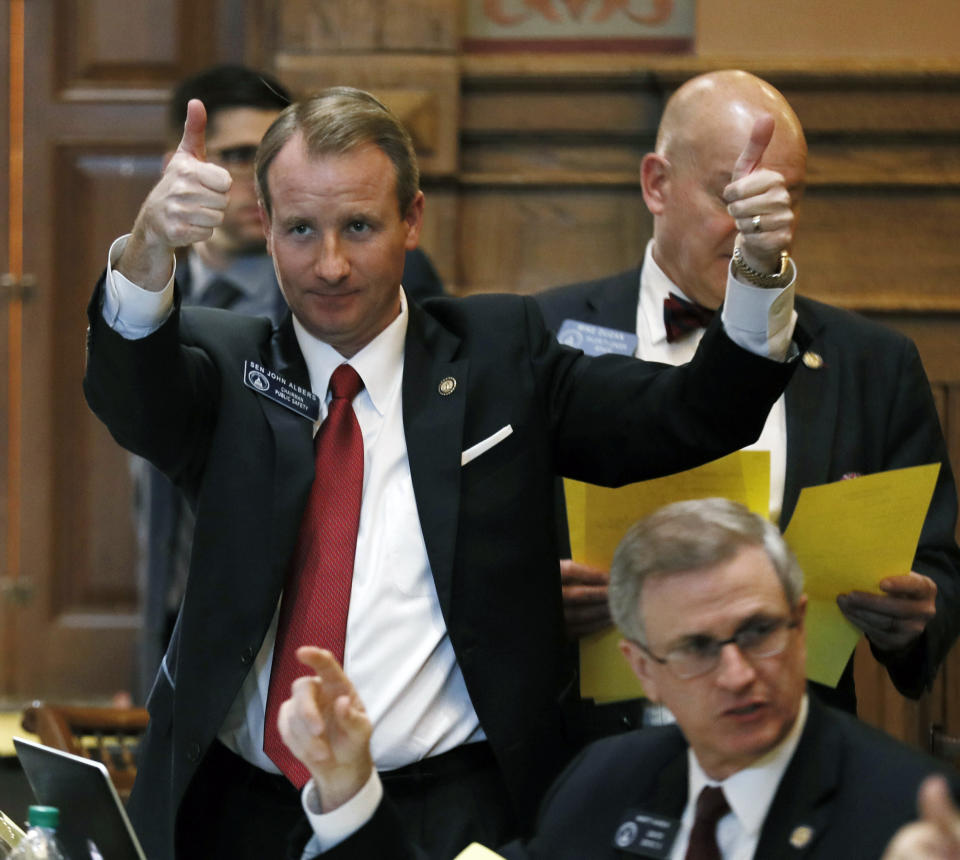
(689, 536)
(335, 122)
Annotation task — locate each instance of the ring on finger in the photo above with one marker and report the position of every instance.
(755, 221)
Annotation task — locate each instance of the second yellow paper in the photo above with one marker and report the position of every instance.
(599, 517)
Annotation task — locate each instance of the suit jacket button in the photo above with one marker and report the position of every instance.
(247, 656)
(193, 752)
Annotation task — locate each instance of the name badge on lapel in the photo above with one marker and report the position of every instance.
(645, 834)
(597, 339)
(270, 384)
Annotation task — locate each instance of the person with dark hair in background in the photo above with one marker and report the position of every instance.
(859, 403)
(231, 270)
(376, 476)
(710, 603)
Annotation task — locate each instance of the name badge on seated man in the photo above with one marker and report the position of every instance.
(646, 834)
(597, 339)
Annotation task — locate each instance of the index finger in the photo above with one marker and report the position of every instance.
(194, 140)
(322, 662)
(760, 136)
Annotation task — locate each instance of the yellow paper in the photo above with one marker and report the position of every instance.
(476, 851)
(847, 536)
(599, 517)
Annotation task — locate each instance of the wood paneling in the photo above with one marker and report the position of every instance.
(365, 26)
(7, 640)
(526, 239)
(422, 90)
(96, 103)
(94, 559)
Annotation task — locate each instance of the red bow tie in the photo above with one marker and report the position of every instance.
(682, 317)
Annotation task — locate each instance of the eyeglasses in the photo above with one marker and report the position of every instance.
(758, 638)
(235, 158)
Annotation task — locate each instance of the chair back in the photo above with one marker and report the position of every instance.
(107, 735)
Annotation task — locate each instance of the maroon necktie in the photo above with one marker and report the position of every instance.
(681, 317)
(316, 595)
(711, 807)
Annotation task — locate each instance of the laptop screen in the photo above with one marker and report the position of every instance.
(90, 808)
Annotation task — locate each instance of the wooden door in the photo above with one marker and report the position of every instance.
(97, 75)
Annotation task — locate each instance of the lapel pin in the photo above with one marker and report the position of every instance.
(801, 836)
(447, 385)
(812, 359)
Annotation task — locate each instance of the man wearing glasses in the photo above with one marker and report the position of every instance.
(710, 601)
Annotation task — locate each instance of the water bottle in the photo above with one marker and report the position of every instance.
(40, 841)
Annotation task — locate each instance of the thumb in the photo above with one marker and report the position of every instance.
(937, 806)
(194, 140)
(760, 136)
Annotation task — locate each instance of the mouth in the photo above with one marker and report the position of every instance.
(745, 711)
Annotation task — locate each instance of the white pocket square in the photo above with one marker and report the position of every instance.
(475, 451)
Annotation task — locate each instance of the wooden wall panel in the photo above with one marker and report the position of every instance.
(422, 90)
(129, 49)
(94, 560)
(897, 248)
(365, 26)
(526, 239)
(7, 641)
(94, 138)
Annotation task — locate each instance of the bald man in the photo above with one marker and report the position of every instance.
(860, 402)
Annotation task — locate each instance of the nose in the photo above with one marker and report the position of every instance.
(331, 264)
(734, 672)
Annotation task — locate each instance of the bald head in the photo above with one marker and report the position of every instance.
(705, 127)
(720, 105)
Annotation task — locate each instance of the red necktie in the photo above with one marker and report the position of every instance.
(681, 317)
(316, 596)
(711, 807)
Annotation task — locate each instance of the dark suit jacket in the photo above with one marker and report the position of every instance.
(177, 397)
(850, 784)
(867, 409)
(164, 522)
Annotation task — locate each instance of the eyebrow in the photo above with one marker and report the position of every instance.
(688, 638)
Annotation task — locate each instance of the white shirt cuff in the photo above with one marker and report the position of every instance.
(760, 319)
(129, 310)
(332, 828)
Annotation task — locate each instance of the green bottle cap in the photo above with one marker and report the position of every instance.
(44, 816)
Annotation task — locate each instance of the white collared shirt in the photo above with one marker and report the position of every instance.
(652, 345)
(398, 653)
(749, 792)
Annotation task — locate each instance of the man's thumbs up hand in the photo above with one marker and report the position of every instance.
(759, 201)
(183, 208)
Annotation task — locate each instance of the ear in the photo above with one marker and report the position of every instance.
(655, 181)
(801, 613)
(413, 219)
(641, 664)
(265, 223)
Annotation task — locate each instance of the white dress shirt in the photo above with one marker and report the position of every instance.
(652, 345)
(398, 652)
(749, 792)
